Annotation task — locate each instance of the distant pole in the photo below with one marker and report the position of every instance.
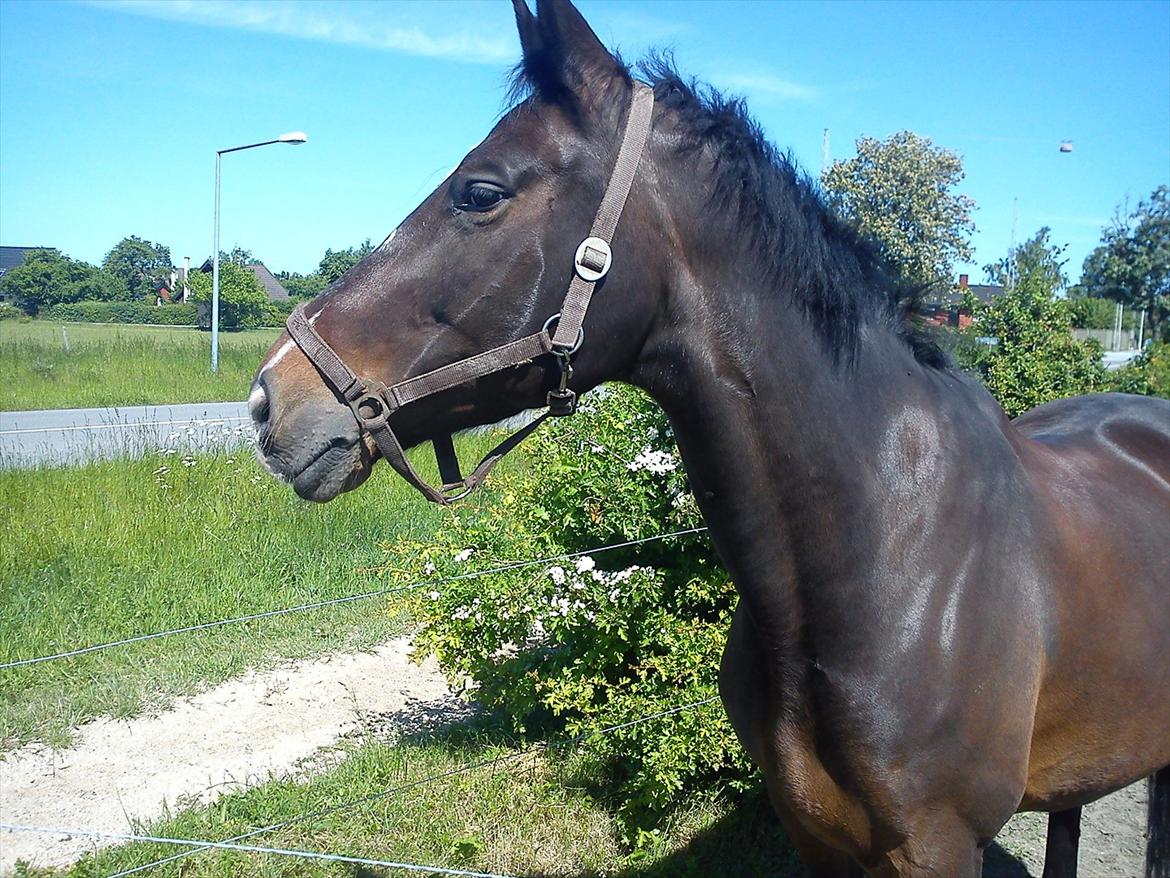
(1011, 273)
(215, 277)
(824, 151)
(1141, 329)
(293, 137)
(1117, 329)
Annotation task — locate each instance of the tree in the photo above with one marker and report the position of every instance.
(1034, 358)
(243, 304)
(1034, 256)
(1132, 265)
(898, 191)
(335, 263)
(139, 264)
(47, 277)
(302, 286)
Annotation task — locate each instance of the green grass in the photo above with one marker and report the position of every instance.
(119, 548)
(537, 814)
(106, 365)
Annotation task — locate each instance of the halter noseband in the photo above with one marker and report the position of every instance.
(372, 402)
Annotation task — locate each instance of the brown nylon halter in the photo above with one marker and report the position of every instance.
(372, 402)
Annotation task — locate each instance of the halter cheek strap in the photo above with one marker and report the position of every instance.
(372, 402)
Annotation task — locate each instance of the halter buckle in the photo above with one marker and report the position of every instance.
(370, 406)
(593, 259)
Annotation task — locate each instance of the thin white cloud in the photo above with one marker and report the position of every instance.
(329, 23)
(767, 85)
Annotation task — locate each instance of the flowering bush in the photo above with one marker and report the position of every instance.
(600, 638)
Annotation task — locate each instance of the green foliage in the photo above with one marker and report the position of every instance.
(302, 286)
(335, 263)
(1034, 358)
(596, 640)
(122, 312)
(1148, 374)
(898, 191)
(8, 311)
(1132, 265)
(1093, 312)
(139, 265)
(1035, 256)
(47, 277)
(243, 303)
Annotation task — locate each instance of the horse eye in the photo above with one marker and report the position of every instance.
(482, 196)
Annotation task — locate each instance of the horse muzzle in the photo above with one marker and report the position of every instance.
(311, 443)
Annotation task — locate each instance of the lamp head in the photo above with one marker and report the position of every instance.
(293, 137)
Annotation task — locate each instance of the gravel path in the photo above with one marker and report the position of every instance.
(241, 732)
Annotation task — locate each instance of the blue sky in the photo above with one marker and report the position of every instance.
(111, 112)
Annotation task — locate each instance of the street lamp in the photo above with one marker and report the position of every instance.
(290, 137)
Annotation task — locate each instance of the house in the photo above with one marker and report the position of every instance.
(276, 292)
(944, 309)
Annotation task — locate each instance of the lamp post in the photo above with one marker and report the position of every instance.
(290, 137)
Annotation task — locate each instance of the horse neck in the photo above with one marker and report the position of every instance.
(791, 455)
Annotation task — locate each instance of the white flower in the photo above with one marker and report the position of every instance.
(429, 568)
(657, 462)
(463, 556)
(585, 564)
(433, 595)
(597, 449)
(557, 574)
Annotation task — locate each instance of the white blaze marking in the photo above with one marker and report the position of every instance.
(287, 346)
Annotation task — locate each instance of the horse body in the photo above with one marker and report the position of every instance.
(945, 616)
(881, 526)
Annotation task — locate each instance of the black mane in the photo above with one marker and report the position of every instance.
(835, 275)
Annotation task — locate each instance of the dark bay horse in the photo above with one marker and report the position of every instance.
(945, 616)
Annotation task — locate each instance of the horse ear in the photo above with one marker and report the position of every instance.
(530, 39)
(562, 55)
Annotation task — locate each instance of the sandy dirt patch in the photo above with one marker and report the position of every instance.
(241, 732)
(1113, 839)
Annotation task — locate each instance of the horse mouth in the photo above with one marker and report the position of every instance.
(337, 468)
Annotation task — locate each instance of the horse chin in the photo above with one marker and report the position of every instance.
(333, 472)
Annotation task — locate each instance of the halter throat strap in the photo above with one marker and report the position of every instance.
(372, 402)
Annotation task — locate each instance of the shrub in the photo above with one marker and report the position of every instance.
(8, 311)
(1034, 358)
(596, 640)
(243, 303)
(1148, 374)
(121, 312)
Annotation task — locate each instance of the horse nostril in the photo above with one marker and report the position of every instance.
(258, 405)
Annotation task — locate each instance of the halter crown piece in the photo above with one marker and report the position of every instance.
(372, 402)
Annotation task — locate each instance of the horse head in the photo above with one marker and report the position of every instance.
(484, 260)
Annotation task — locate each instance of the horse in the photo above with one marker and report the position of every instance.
(945, 616)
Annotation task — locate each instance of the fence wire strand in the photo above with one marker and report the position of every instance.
(232, 843)
(248, 848)
(203, 626)
(454, 772)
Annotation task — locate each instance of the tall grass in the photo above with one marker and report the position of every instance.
(51, 365)
(119, 548)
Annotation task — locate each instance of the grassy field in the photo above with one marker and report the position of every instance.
(77, 365)
(530, 814)
(114, 549)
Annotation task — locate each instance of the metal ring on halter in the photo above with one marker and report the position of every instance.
(548, 324)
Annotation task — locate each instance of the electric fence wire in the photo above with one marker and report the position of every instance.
(203, 626)
(233, 843)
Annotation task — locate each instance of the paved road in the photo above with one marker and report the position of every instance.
(61, 436)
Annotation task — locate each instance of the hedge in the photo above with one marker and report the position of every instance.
(121, 312)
